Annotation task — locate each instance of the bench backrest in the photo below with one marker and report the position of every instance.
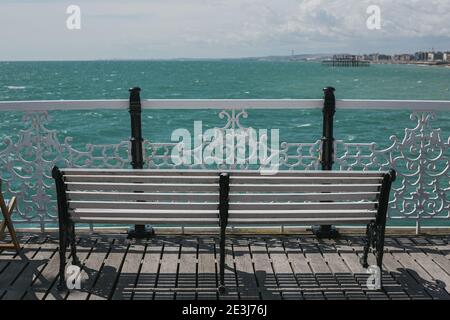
(142, 196)
(191, 197)
(304, 198)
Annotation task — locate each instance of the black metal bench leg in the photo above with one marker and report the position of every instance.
(369, 233)
(62, 258)
(224, 183)
(380, 251)
(73, 246)
(222, 288)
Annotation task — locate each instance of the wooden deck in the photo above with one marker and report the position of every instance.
(284, 267)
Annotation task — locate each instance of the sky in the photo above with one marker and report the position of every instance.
(166, 29)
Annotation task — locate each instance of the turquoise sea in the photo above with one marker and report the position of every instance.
(220, 79)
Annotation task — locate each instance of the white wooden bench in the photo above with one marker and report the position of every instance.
(222, 199)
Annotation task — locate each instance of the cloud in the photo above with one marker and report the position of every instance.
(217, 28)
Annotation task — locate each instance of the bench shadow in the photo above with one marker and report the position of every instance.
(19, 273)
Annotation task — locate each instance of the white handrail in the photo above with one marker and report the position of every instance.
(48, 105)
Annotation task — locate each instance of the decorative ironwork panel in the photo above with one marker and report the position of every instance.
(421, 159)
(27, 161)
(292, 156)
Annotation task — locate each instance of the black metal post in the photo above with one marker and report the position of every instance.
(62, 221)
(137, 158)
(224, 190)
(376, 229)
(388, 179)
(329, 110)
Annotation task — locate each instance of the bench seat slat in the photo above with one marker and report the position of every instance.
(297, 197)
(304, 180)
(143, 205)
(303, 206)
(142, 179)
(299, 212)
(162, 187)
(178, 197)
(145, 214)
(235, 173)
(213, 205)
(215, 179)
(299, 221)
(153, 221)
(213, 197)
(143, 211)
(248, 188)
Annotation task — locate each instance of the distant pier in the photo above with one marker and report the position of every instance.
(346, 61)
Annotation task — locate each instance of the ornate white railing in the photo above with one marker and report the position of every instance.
(421, 155)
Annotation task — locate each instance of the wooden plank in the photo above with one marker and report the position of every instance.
(148, 275)
(207, 277)
(341, 273)
(200, 172)
(154, 213)
(358, 243)
(129, 272)
(283, 271)
(151, 178)
(303, 206)
(322, 271)
(187, 273)
(141, 172)
(304, 180)
(281, 188)
(44, 287)
(155, 205)
(264, 213)
(305, 277)
(353, 291)
(308, 173)
(264, 271)
(17, 266)
(106, 281)
(16, 262)
(149, 187)
(35, 265)
(300, 197)
(168, 186)
(231, 282)
(419, 274)
(439, 277)
(90, 269)
(298, 221)
(212, 196)
(167, 276)
(154, 221)
(408, 283)
(133, 196)
(440, 254)
(248, 287)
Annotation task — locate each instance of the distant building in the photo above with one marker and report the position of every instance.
(438, 56)
(421, 56)
(403, 57)
(384, 57)
(446, 56)
(430, 56)
(372, 57)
